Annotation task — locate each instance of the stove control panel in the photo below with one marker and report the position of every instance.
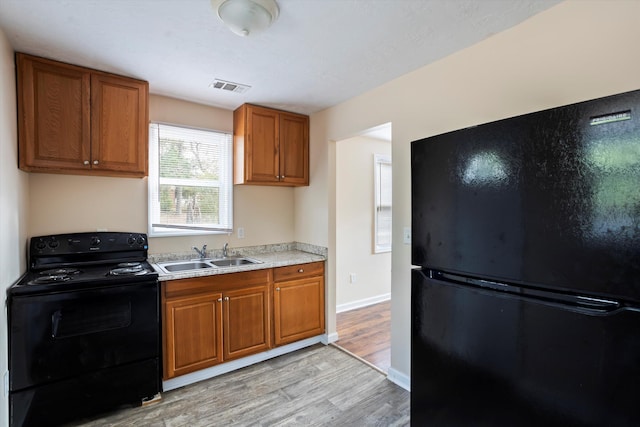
(82, 243)
(139, 239)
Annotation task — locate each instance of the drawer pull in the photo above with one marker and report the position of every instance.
(301, 270)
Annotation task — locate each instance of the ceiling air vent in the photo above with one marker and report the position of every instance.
(229, 86)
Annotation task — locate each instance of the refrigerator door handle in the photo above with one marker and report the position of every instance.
(589, 304)
(597, 303)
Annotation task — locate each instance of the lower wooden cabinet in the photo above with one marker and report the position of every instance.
(298, 302)
(212, 319)
(193, 337)
(246, 322)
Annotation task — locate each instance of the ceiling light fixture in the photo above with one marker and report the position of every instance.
(245, 17)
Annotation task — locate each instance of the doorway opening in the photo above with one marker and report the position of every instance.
(363, 245)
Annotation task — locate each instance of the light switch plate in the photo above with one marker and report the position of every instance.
(406, 235)
(240, 232)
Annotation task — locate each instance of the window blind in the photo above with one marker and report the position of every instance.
(383, 203)
(190, 180)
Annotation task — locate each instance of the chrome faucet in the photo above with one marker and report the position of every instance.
(224, 250)
(202, 252)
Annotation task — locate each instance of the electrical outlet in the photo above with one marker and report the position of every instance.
(352, 278)
(240, 232)
(406, 235)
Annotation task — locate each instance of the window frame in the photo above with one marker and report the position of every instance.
(154, 182)
(378, 161)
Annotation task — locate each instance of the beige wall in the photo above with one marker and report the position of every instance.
(67, 203)
(13, 203)
(575, 51)
(355, 224)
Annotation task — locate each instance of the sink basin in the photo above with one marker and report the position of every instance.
(176, 266)
(233, 262)
(185, 265)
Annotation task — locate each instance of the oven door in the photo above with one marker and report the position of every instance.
(63, 335)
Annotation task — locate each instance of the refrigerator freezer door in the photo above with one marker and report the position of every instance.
(483, 357)
(548, 199)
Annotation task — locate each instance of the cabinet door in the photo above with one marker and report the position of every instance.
(119, 124)
(53, 115)
(193, 334)
(294, 149)
(246, 322)
(261, 145)
(298, 309)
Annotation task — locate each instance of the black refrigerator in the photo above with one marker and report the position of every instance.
(525, 291)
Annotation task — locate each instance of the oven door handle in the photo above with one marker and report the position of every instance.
(55, 322)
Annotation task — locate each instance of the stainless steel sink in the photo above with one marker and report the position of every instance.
(233, 262)
(176, 266)
(172, 267)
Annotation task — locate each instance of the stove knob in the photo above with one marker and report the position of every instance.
(41, 245)
(140, 240)
(95, 241)
(131, 240)
(53, 244)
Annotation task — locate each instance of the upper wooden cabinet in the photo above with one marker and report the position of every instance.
(80, 121)
(271, 147)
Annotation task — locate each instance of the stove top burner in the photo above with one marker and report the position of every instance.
(60, 271)
(129, 264)
(128, 269)
(54, 275)
(52, 278)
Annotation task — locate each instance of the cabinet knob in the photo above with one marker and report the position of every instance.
(226, 298)
(86, 162)
(277, 289)
(301, 270)
(219, 299)
(282, 177)
(277, 176)
(95, 162)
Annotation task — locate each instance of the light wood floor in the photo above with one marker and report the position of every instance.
(366, 332)
(317, 386)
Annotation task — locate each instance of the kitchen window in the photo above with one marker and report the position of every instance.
(190, 181)
(382, 212)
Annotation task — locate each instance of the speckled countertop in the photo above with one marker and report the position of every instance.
(270, 256)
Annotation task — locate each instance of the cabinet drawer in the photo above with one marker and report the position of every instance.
(218, 282)
(299, 271)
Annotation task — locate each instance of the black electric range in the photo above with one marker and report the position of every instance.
(84, 328)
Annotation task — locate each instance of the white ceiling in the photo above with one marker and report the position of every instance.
(316, 55)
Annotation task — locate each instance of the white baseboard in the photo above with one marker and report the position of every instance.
(362, 303)
(328, 339)
(232, 365)
(399, 379)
